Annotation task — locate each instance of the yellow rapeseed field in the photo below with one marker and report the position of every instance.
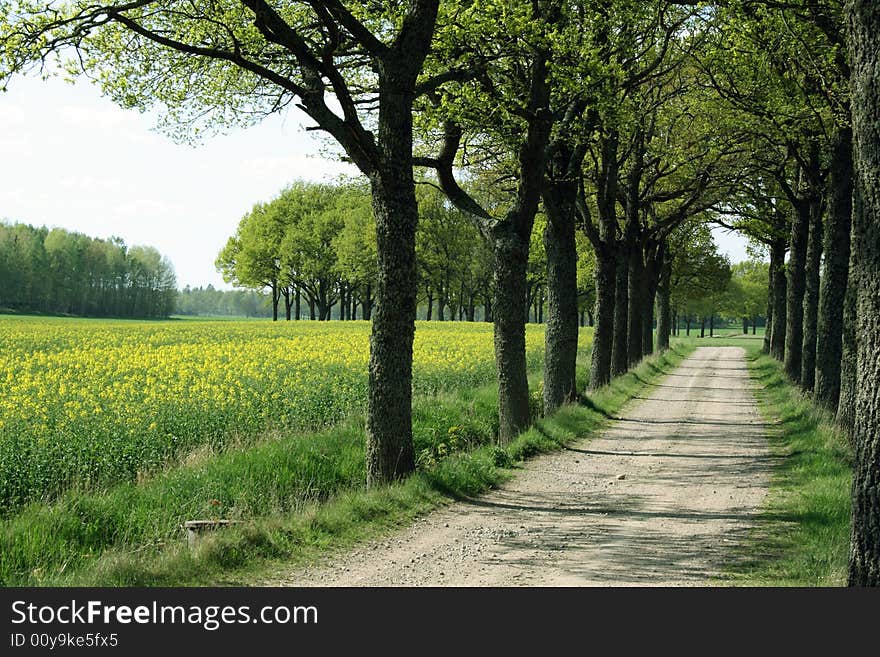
(88, 403)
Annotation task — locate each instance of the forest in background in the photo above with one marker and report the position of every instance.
(55, 271)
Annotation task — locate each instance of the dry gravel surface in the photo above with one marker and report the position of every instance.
(661, 497)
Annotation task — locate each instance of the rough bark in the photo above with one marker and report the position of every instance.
(603, 336)
(794, 307)
(635, 308)
(811, 297)
(510, 264)
(780, 296)
(561, 334)
(654, 257)
(846, 404)
(664, 315)
(620, 347)
(635, 249)
(604, 241)
(768, 324)
(838, 224)
(864, 34)
(390, 454)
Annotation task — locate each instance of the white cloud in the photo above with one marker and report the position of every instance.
(291, 167)
(103, 118)
(11, 115)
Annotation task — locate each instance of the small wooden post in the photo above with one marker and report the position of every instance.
(195, 527)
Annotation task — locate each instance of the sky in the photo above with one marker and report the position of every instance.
(72, 159)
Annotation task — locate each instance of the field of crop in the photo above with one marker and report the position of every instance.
(86, 404)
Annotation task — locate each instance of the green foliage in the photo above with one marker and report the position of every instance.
(211, 302)
(60, 272)
(746, 294)
(700, 274)
(454, 261)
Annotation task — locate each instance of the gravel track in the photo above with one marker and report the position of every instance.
(661, 497)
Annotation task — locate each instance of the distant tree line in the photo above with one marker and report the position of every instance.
(314, 247)
(209, 301)
(61, 272)
(312, 251)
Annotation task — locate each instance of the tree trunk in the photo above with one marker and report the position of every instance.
(703, 327)
(712, 325)
(664, 310)
(745, 325)
(368, 302)
(832, 293)
(619, 350)
(603, 335)
(636, 250)
(288, 303)
(811, 296)
(312, 308)
(846, 404)
(864, 43)
(390, 454)
(653, 265)
(561, 334)
(635, 305)
(780, 296)
(765, 347)
(297, 304)
(687, 319)
(794, 307)
(755, 325)
(511, 253)
(275, 298)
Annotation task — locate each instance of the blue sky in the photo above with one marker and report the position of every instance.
(73, 159)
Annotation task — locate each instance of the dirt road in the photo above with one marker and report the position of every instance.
(660, 498)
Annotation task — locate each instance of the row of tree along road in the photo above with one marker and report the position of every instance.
(312, 251)
(625, 120)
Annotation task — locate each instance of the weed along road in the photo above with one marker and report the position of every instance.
(662, 497)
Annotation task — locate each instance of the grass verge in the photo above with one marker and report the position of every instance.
(803, 536)
(298, 497)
